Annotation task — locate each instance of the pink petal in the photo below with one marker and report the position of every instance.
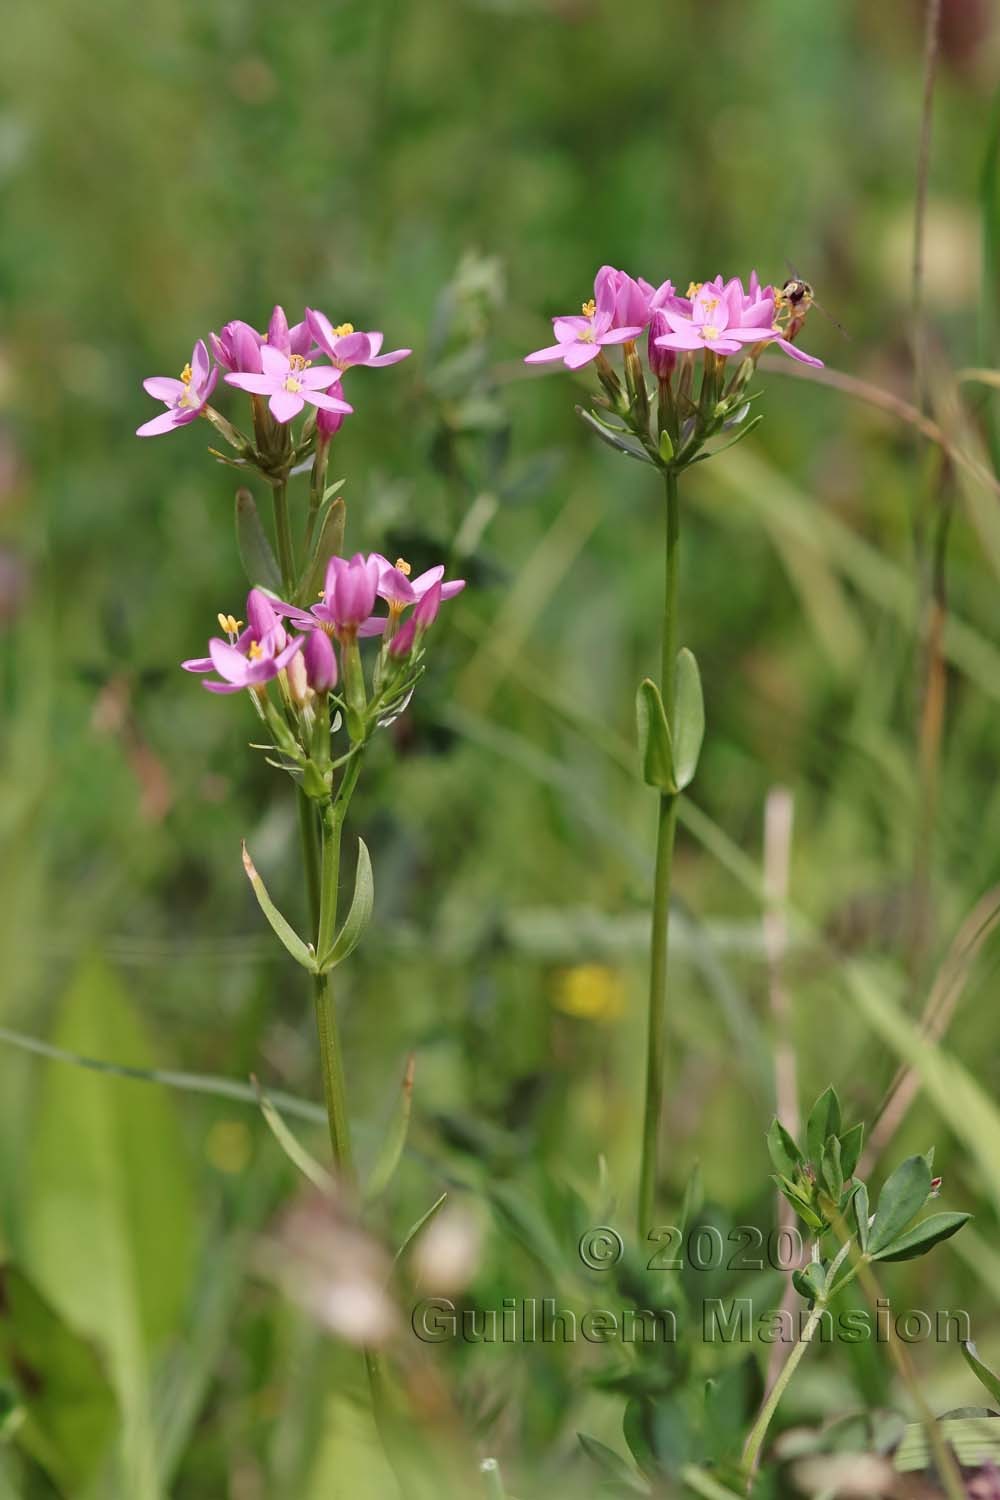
(577, 355)
(165, 422)
(327, 402)
(319, 378)
(227, 661)
(285, 405)
(568, 330)
(200, 364)
(379, 361)
(618, 335)
(257, 385)
(542, 356)
(273, 361)
(799, 354)
(163, 388)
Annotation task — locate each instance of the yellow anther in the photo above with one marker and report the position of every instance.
(230, 624)
(255, 653)
(291, 384)
(710, 304)
(694, 287)
(299, 362)
(710, 331)
(343, 329)
(187, 374)
(402, 566)
(589, 308)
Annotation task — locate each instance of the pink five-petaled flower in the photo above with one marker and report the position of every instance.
(422, 618)
(629, 299)
(290, 381)
(237, 345)
(580, 339)
(348, 598)
(249, 657)
(344, 347)
(716, 321)
(185, 398)
(399, 590)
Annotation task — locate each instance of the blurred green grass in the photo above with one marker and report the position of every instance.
(163, 172)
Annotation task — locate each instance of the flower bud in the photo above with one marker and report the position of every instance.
(320, 661)
(402, 642)
(661, 361)
(298, 680)
(426, 611)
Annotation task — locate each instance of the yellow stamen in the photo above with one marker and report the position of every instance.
(710, 304)
(589, 308)
(291, 384)
(710, 331)
(187, 374)
(254, 653)
(343, 329)
(299, 362)
(694, 287)
(230, 624)
(402, 566)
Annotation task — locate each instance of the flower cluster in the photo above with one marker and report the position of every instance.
(305, 666)
(284, 370)
(714, 320)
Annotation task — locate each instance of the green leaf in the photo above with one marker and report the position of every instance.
(850, 1148)
(832, 1172)
(329, 543)
(66, 1408)
(300, 951)
(620, 444)
(982, 1372)
(689, 718)
(292, 1147)
(391, 1153)
(824, 1121)
(655, 750)
(419, 1225)
(800, 1205)
(254, 548)
(785, 1155)
(666, 446)
(109, 1223)
(612, 1464)
(900, 1200)
(922, 1237)
(861, 1215)
(358, 916)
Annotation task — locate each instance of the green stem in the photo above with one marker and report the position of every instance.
(283, 534)
(331, 1057)
(755, 1441)
(317, 484)
(310, 855)
(666, 825)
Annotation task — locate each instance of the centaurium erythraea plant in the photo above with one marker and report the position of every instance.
(332, 646)
(701, 352)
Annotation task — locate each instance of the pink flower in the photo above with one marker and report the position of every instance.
(398, 589)
(237, 347)
(344, 347)
(580, 339)
(320, 662)
(718, 320)
(628, 299)
(290, 381)
(248, 657)
(186, 398)
(291, 341)
(329, 423)
(409, 634)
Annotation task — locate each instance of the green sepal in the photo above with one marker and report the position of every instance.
(255, 550)
(358, 916)
(666, 446)
(655, 747)
(689, 718)
(301, 952)
(810, 1281)
(608, 435)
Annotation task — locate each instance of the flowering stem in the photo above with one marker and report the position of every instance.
(283, 533)
(316, 486)
(666, 824)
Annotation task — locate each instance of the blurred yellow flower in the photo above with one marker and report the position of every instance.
(593, 992)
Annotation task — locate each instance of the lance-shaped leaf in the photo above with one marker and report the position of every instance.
(292, 1147)
(389, 1156)
(850, 1148)
(861, 1215)
(831, 1169)
(254, 548)
(824, 1121)
(300, 951)
(418, 1226)
(607, 435)
(900, 1200)
(922, 1237)
(688, 728)
(982, 1371)
(612, 1465)
(358, 916)
(784, 1153)
(655, 748)
(329, 543)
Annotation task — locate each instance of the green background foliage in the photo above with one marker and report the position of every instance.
(454, 173)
